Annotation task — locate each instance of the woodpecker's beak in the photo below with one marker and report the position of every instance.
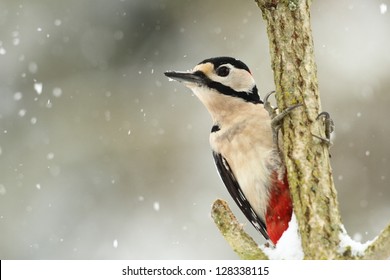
(197, 77)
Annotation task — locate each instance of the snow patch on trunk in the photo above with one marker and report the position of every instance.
(289, 246)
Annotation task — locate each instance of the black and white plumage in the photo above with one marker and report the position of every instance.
(235, 191)
(241, 139)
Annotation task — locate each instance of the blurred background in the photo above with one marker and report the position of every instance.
(101, 157)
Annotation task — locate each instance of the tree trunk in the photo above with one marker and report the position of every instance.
(307, 157)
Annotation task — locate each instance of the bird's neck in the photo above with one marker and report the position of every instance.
(227, 110)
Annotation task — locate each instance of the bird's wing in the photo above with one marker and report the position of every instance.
(235, 191)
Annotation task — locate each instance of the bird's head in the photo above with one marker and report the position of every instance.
(219, 80)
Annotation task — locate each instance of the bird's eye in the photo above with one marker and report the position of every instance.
(223, 71)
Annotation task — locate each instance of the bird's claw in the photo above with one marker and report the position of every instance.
(267, 105)
(329, 128)
(277, 121)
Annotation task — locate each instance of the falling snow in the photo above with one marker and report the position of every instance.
(22, 112)
(115, 243)
(18, 96)
(3, 190)
(383, 8)
(38, 87)
(57, 92)
(33, 67)
(357, 237)
(156, 206)
(49, 104)
(16, 41)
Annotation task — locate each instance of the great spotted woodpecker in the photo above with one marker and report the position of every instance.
(243, 142)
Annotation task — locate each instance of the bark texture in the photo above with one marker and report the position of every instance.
(307, 158)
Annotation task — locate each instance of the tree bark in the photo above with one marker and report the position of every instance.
(307, 158)
(380, 248)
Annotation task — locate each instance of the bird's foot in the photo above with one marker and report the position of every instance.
(329, 128)
(277, 121)
(267, 105)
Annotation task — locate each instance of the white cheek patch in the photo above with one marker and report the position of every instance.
(238, 79)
